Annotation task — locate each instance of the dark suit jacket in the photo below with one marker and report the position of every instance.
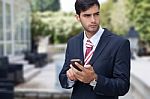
(111, 62)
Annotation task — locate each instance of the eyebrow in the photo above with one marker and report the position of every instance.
(92, 13)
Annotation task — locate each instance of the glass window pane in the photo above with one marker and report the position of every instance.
(8, 35)
(8, 18)
(22, 31)
(1, 50)
(1, 21)
(8, 22)
(8, 48)
(18, 48)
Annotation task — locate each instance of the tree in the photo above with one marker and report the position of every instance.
(139, 17)
(45, 5)
(119, 19)
(105, 13)
(114, 16)
(59, 25)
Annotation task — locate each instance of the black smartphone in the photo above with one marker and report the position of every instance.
(73, 63)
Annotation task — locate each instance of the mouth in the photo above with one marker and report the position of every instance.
(93, 26)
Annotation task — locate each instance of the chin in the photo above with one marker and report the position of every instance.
(94, 30)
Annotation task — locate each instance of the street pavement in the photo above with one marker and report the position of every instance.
(47, 79)
(140, 68)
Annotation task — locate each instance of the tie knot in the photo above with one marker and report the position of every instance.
(89, 44)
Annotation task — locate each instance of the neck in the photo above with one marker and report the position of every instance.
(89, 34)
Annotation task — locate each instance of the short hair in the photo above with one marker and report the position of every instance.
(83, 5)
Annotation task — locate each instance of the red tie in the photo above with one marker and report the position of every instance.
(89, 52)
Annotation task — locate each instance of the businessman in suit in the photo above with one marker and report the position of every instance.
(105, 69)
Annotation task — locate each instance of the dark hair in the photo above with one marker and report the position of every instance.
(83, 5)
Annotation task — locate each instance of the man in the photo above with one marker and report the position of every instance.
(105, 69)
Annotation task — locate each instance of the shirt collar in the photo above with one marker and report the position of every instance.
(96, 37)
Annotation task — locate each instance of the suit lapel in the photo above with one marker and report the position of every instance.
(104, 40)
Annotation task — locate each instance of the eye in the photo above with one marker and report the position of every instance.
(87, 15)
(96, 14)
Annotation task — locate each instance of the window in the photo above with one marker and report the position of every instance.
(8, 22)
(1, 49)
(9, 48)
(16, 21)
(1, 21)
(1, 29)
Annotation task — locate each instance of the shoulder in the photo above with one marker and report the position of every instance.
(76, 38)
(114, 37)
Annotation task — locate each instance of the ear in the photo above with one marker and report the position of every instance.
(77, 17)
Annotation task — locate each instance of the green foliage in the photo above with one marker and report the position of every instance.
(45, 5)
(119, 15)
(38, 28)
(60, 25)
(139, 14)
(119, 19)
(105, 13)
(114, 17)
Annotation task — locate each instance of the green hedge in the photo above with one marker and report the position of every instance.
(60, 25)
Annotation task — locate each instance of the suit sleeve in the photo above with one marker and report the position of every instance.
(119, 84)
(62, 76)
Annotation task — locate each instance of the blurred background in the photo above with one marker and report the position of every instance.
(33, 36)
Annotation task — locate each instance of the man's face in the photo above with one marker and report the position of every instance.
(90, 19)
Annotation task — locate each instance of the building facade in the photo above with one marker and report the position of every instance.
(14, 27)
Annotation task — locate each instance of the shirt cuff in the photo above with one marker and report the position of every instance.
(93, 83)
(70, 83)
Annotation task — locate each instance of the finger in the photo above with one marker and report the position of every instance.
(73, 69)
(70, 65)
(79, 66)
(71, 75)
(68, 74)
(76, 72)
(87, 66)
(78, 76)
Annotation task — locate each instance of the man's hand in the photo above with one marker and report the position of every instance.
(70, 75)
(86, 75)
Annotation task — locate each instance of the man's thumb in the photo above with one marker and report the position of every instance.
(87, 66)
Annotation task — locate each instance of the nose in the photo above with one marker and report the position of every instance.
(93, 19)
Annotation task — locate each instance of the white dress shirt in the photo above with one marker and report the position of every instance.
(94, 39)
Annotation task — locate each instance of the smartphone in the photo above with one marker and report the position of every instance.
(73, 63)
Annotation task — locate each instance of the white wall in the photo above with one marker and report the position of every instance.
(68, 5)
